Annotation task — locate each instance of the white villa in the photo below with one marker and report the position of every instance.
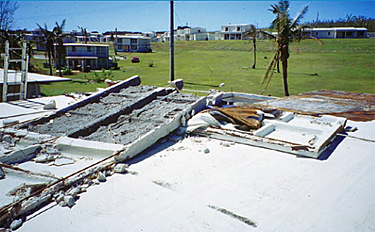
(234, 31)
(187, 33)
(132, 43)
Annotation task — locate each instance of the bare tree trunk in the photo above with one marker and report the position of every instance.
(278, 62)
(284, 61)
(49, 62)
(60, 62)
(255, 53)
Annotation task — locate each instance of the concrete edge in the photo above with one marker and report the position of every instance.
(132, 81)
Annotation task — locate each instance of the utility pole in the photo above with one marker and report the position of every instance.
(172, 44)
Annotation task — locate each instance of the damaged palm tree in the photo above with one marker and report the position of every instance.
(60, 50)
(50, 50)
(287, 32)
(252, 34)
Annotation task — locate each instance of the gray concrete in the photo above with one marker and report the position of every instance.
(130, 127)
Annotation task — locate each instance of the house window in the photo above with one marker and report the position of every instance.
(199, 31)
(88, 49)
(119, 47)
(133, 41)
(329, 33)
(74, 49)
(316, 33)
(349, 33)
(134, 48)
(238, 28)
(119, 40)
(226, 29)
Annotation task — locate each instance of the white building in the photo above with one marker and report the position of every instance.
(335, 32)
(132, 43)
(233, 31)
(190, 34)
(86, 56)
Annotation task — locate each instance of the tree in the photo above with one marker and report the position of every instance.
(58, 37)
(287, 32)
(50, 50)
(253, 33)
(7, 9)
(84, 34)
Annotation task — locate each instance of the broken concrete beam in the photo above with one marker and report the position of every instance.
(20, 156)
(10, 122)
(33, 203)
(132, 81)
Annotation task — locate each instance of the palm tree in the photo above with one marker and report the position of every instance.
(60, 50)
(287, 32)
(49, 38)
(84, 34)
(253, 33)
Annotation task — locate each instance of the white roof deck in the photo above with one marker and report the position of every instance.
(31, 77)
(29, 109)
(177, 187)
(203, 184)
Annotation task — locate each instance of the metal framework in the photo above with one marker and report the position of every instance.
(24, 70)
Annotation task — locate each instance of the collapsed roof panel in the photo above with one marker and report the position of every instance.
(353, 106)
(288, 132)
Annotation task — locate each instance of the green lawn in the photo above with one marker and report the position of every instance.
(342, 64)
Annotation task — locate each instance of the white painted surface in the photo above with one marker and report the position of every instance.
(24, 110)
(31, 77)
(278, 191)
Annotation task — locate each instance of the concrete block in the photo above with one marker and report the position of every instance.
(69, 201)
(20, 156)
(121, 168)
(10, 122)
(101, 177)
(7, 138)
(16, 224)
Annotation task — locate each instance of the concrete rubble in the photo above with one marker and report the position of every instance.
(57, 158)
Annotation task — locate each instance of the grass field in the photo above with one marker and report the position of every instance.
(341, 64)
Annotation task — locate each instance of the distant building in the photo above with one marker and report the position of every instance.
(132, 43)
(234, 31)
(335, 32)
(86, 56)
(40, 41)
(187, 33)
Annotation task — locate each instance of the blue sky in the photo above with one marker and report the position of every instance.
(154, 15)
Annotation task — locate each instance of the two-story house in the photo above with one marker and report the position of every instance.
(86, 56)
(233, 31)
(132, 43)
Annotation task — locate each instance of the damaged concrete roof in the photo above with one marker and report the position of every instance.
(164, 179)
(353, 106)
